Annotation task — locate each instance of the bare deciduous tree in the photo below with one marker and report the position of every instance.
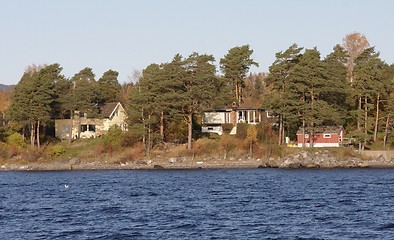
(354, 43)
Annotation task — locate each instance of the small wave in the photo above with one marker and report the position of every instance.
(111, 209)
(186, 226)
(386, 227)
(122, 236)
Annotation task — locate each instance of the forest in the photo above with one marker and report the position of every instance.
(351, 86)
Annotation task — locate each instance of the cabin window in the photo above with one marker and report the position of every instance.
(326, 135)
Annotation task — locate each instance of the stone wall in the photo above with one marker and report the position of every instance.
(387, 155)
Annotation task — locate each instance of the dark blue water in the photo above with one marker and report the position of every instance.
(199, 204)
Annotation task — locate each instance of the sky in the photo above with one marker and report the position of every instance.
(128, 35)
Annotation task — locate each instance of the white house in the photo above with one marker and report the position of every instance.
(81, 126)
(212, 121)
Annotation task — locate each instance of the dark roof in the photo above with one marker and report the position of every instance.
(108, 108)
(324, 129)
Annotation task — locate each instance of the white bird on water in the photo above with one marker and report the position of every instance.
(66, 186)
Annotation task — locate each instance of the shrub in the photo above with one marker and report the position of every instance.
(113, 138)
(17, 140)
(242, 129)
(56, 151)
(227, 127)
(204, 146)
(133, 135)
(3, 151)
(227, 143)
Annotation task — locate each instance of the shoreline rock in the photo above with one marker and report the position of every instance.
(302, 160)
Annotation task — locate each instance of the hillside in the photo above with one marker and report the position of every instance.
(4, 87)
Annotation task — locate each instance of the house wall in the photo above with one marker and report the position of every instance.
(212, 129)
(213, 118)
(101, 126)
(117, 119)
(320, 141)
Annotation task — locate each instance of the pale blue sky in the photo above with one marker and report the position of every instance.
(128, 35)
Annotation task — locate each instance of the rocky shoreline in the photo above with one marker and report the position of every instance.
(304, 159)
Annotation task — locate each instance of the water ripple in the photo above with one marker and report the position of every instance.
(204, 204)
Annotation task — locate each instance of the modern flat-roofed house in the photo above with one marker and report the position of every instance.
(81, 126)
(323, 136)
(212, 121)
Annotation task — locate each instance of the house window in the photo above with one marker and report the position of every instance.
(84, 128)
(92, 128)
(306, 136)
(326, 135)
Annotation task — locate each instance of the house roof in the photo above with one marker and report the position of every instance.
(108, 109)
(324, 129)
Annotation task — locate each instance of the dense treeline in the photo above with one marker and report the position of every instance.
(44, 94)
(351, 86)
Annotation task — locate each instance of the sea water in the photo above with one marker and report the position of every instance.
(198, 204)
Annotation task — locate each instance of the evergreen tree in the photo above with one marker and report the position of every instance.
(144, 105)
(34, 97)
(235, 65)
(84, 93)
(282, 101)
(369, 86)
(108, 87)
(389, 108)
(198, 90)
(311, 83)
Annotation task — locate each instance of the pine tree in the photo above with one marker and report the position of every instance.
(34, 97)
(235, 65)
(108, 87)
(282, 101)
(198, 89)
(368, 87)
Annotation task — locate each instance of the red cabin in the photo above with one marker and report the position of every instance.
(324, 136)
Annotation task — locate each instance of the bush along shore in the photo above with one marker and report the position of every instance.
(177, 158)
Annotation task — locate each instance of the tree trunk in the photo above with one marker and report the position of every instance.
(386, 130)
(148, 145)
(190, 131)
(280, 130)
(283, 132)
(303, 133)
(311, 137)
(251, 149)
(358, 115)
(359, 121)
(237, 93)
(162, 125)
(79, 125)
(38, 134)
(70, 131)
(365, 120)
(376, 118)
(32, 133)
